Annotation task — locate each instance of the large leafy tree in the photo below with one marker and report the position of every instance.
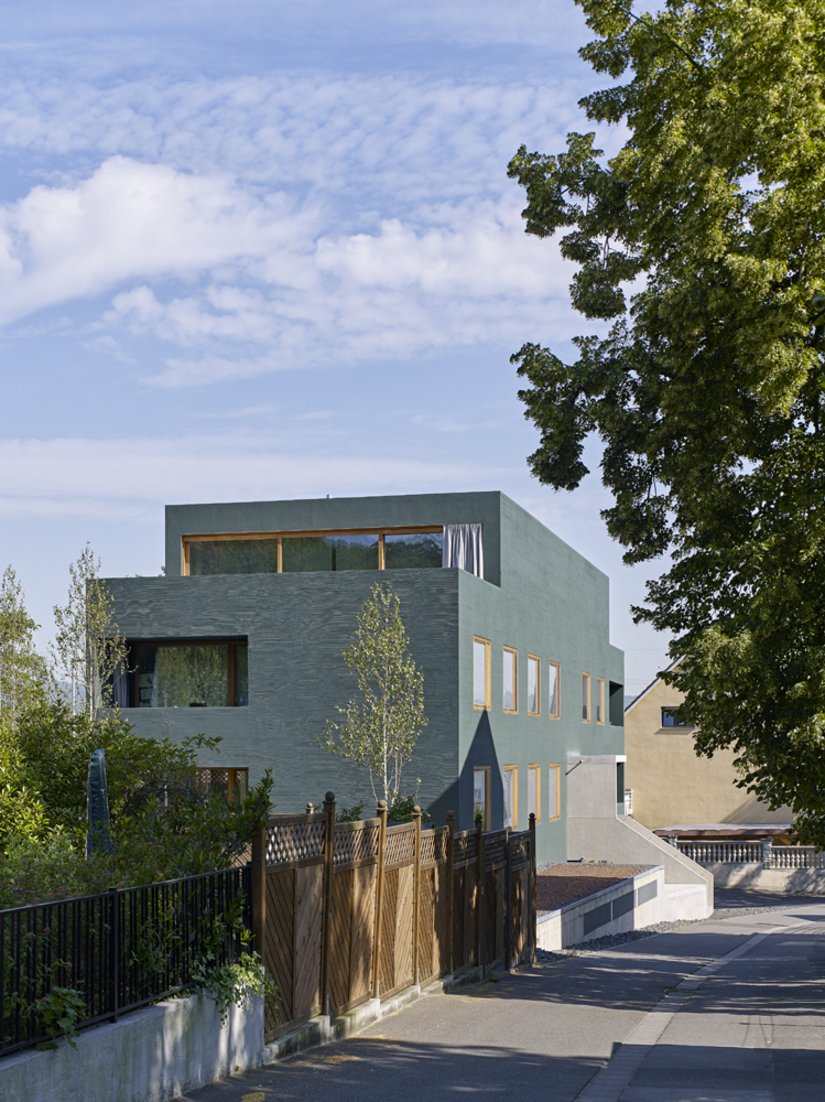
(379, 726)
(701, 242)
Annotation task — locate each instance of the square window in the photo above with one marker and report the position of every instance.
(672, 717)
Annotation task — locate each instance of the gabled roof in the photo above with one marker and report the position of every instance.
(652, 685)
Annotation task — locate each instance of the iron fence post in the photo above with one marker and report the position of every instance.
(114, 952)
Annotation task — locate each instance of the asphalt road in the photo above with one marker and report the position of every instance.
(728, 1010)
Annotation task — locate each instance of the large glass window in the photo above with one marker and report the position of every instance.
(481, 673)
(259, 556)
(533, 685)
(274, 552)
(412, 550)
(554, 689)
(187, 674)
(352, 552)
(510, 680)
(509, 780)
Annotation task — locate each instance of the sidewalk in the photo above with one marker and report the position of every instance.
(727, 1010)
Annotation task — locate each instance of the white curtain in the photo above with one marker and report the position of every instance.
(120, 688)
(463, 548)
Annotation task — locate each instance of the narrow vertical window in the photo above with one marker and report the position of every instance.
(509, 776)
(554, 792)
(554, 689)
(509, 680)
(481, 673)
(600, 700)
(481, 795)
(585, 698)
(533, 685)
(534, 791)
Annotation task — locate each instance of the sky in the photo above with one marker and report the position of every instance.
(261, 250)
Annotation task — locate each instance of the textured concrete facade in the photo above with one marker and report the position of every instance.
(538, 596)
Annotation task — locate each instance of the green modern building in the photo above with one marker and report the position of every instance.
(243, 637)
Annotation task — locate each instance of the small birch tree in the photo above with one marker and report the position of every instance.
(21, 667)
(88, 648)
(379, 726)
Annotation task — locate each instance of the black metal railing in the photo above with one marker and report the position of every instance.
(114, 952)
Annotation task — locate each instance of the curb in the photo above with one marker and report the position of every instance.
(325, 1030)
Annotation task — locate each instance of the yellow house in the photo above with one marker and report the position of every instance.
(672, 787)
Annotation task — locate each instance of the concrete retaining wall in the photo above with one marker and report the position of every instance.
(790, 881)
(151, 1055)
(631, 904)
(596, 833)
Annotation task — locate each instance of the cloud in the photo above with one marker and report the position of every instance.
(130, 219)
(75, 476)
(404, 137)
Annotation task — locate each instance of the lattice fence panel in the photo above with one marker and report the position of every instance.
(433, 847)
(520, 850)
(495, 850)
(465, 848)
(355, 844)
(291, 843)
(400, 846)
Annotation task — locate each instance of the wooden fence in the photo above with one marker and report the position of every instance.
(345, 912)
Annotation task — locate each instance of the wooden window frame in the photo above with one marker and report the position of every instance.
(554, 771)
(557, 714)
(514, 654)
(512, 772)
(488, 647)
(485, 769)
(535, 661)
(233, 644)
(237, 777)
(600, 701)
(587, 702)
(535, 768)
(223, 537)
